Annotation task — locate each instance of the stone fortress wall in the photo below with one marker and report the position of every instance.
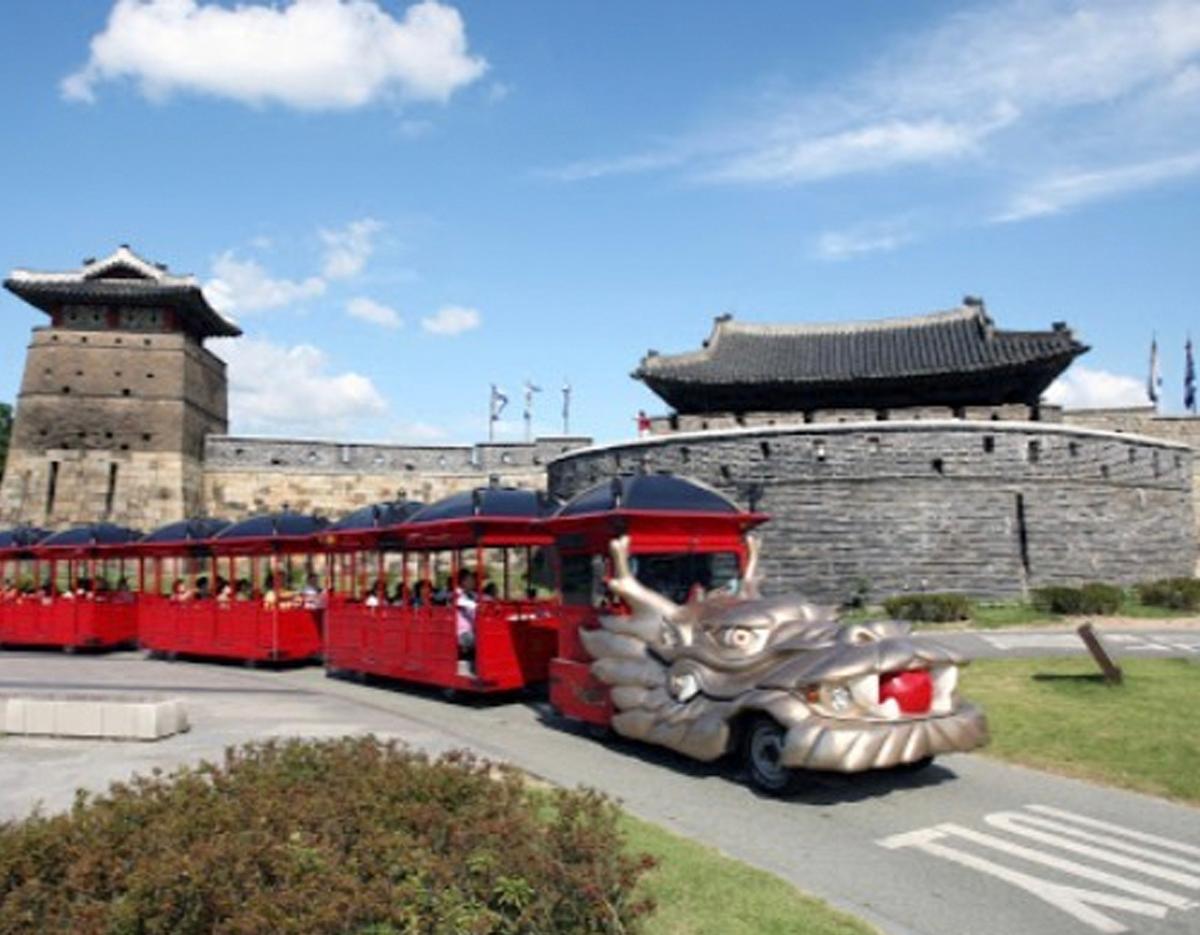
(888, 506)
(243, 476)
(1144, 420)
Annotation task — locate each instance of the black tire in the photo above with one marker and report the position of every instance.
(762, 747)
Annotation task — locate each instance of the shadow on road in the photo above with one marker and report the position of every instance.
(821, 789)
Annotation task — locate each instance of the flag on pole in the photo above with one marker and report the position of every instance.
(1189, 380)
(499, 401)
(566, 410)
(496, 404)
(1154, 383)
(530, 389)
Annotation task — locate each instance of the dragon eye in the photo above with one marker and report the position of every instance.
(742, 638)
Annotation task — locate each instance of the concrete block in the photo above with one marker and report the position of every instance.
(39, 717)
(118, 719)
(77, 719)
(113, 717)
(14, 716)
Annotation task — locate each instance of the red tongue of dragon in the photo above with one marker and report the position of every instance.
(913, 690)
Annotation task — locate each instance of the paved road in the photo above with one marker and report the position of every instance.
(1136, 643)
(970, 845)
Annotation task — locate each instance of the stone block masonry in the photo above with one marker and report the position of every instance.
(985, 508)
(243, 476)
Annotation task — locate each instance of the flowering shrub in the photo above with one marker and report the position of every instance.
(351, 835)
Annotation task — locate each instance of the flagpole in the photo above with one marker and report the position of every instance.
(1154, 381)
(1189, 379)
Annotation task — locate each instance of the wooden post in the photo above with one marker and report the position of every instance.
(1112, 671)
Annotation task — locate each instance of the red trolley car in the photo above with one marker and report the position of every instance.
(84, 597)
(18, 578)
(469, 569)
(232, 593)
(681, 537)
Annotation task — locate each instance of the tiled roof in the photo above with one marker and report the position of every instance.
(126, 278)
(961, 345)
(961, 340)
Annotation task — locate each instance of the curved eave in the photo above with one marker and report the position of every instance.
(992, 385)
(48, 296)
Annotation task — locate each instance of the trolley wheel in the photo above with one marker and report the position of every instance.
(762, 754)
(70, 650)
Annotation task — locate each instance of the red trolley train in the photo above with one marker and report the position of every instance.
(473, 562)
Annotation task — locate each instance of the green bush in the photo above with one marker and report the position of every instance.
(351, 835)
(1095, 598)
(1102, 599)
(1173, 593)
(928, 608)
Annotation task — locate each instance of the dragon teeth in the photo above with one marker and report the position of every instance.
(890, 710)
(865, 690)
(945, 681)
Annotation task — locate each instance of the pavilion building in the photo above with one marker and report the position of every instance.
(947, 360)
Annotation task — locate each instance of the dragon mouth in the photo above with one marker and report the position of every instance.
(889, 696)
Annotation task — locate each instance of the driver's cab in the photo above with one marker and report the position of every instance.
(680, 538)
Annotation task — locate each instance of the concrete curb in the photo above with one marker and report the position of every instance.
(109, 717)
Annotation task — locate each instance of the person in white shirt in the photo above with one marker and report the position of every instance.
(465, 603)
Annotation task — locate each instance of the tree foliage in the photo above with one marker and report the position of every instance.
(6, 418)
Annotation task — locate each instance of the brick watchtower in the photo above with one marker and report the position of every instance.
(117, 397)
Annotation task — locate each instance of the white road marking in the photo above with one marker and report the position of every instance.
(1128, 642)
(1013, 822)
(1099, 825)
(1034, 641)
(1080, 835)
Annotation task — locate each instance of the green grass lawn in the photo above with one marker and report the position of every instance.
(1052, 714)
(701, 892)
(995, 615)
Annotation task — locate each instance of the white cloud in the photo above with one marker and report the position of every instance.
(1084, 388)
(1058, 193)
(451, 320)
(876, 146)
(586, 169)
(245, 286)
(280, 390)
(374, 312)
(347, 249)
(999, 89)
(307, 54)
(864, 238)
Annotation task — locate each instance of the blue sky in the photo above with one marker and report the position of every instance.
(404, 203)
